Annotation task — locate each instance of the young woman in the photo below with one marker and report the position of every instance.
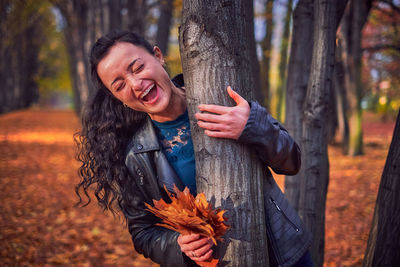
(136, 138)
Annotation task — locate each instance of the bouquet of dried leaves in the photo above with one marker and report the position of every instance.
(189, 215)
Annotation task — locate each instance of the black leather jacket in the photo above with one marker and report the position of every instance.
(150, 169)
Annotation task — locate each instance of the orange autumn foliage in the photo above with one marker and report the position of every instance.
(189, 215)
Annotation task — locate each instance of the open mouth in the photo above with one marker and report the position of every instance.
(150, 93)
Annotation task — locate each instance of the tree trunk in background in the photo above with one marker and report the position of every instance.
(75, 13)
(280, 90)
(350, 37)
(315, 166)
(341, 99)
(215, 53)
(383, 242)
(297, 80)
(266, 46)
(115, 16)
(252, 50)
(296, 88)
(137, 12)
(164, 25)
(332, 119)
(21, 35)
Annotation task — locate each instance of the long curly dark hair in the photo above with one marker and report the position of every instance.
(107, 126)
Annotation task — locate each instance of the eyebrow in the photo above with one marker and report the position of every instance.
(129, 66)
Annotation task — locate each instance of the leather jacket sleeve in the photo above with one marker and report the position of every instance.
(154, 242)
(271, 141)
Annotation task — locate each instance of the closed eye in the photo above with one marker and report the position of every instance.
(119, 86)
(140, 68)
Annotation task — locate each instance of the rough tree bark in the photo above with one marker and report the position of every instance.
(315, 164)
(215, 53)
(296, 87)
(383, 242)
(298, 76)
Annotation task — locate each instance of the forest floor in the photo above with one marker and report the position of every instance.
(40, 226)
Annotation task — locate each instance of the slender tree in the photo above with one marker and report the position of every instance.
(298, 75)
(280, 90)
(296, 86)
(215, 51)
(350, 37)
(114, 13)
(137, 12)
(383, 242)
(164, 24)
(266, 46)
(341, 100)
(315, 164)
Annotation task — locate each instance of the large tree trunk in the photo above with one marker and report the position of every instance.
(384, 242)
(315, 166)
(215, 53)
(266, 46)
(296, 88)
(280, 90)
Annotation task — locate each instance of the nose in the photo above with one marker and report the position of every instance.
(134, 82)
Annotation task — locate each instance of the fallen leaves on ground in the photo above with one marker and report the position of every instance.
(39, 225)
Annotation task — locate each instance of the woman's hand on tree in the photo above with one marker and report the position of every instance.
(225, 122)
(196, 247)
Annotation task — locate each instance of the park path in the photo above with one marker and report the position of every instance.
(39, 225)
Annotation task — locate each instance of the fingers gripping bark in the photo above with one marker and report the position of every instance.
(224, 122)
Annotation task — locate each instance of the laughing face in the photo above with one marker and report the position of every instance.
(138, 79)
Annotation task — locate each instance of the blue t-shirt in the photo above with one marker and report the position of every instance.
(176, 142)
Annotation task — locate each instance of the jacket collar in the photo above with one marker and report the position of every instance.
(145, 139)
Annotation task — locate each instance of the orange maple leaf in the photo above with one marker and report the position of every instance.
(187, 214)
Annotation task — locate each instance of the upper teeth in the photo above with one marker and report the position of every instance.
(147, 91)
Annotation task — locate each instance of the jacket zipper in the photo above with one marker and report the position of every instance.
(284, 215)
(274, 249)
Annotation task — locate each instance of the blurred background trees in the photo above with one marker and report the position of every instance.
(44, 48)
(59, 34)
